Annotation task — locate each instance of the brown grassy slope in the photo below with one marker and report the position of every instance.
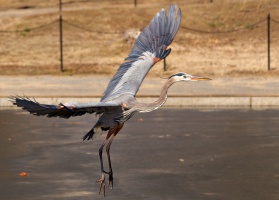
(104, 47)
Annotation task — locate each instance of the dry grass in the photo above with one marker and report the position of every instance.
(37, 52)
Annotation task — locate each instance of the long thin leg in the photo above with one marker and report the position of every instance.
(116, 130)
(110, 182)
(112, 132)
(101, 155)
(102, 179)
(101, 150)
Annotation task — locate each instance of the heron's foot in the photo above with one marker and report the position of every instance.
(103, 185)
(110, 182)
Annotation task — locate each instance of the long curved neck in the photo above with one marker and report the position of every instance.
(148, 107)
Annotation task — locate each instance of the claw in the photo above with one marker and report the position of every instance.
(103, 185)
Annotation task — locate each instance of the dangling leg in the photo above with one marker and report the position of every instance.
(116, 130)
(102, 179)
(113, 131)
(110, 182)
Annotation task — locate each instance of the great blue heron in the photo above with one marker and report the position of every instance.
(118, 103)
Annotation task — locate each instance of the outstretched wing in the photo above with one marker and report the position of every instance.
(149, 48)
(69, 109)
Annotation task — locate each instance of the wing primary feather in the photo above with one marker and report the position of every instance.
(152, 41)
(62, 110)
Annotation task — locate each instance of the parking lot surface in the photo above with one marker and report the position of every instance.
(171, 153)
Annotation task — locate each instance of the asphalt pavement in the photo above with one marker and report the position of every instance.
(171, 153)
(221, 91)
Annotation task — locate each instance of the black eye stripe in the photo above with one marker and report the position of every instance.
(178, 74)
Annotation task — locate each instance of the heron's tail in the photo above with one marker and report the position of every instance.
(89, 135)
(95, 131)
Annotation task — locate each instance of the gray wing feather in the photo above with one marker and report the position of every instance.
(151, 43)
(69, 109)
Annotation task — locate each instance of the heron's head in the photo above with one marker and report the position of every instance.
(181, 76)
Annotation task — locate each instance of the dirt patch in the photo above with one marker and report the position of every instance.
(99, 44)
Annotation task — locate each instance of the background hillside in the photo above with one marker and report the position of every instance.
(229, 37)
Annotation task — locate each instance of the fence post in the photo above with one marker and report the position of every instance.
(61, 35)
(268, 41)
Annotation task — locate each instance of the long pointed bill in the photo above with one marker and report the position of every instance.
(198, 78)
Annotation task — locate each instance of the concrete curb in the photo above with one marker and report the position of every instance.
(173, 101)
(220, 92)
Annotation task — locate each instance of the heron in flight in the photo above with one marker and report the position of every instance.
(118, 103)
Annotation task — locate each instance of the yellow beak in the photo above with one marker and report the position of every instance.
(198, 78)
